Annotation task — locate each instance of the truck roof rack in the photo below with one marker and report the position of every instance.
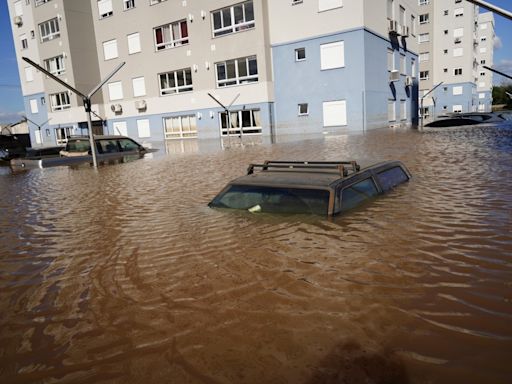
(343, 168)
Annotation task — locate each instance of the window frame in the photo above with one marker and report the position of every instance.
(178, 89)
(224, 30)
(173, 42)
(237, 80)
(48, 25)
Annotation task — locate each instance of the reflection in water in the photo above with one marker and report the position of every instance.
(125, 275)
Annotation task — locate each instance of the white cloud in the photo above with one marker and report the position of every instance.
(497, 43)
(10, 117)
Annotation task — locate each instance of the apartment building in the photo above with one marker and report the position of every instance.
(485, 38)
(449, 51)
(283, 67)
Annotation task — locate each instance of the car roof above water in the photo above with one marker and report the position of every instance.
(306, 174)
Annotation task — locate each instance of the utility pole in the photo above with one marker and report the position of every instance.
(85, 98)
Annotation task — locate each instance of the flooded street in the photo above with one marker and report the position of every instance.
(124, 275)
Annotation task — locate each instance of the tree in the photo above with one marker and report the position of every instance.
(500, 97)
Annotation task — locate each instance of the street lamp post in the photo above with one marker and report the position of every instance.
(86, 99)
(227, 110)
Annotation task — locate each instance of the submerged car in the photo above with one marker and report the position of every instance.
(78, 151)
(314, 187)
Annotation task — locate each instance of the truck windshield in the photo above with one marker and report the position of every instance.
(273, 200)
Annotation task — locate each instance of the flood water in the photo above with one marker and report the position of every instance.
(124, 275)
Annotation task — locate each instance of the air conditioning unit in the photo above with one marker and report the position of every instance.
(140, 104)
(394, 75)
(405, 31)
(117, 108)
(408, 81)
(393, 27)
(18, 20)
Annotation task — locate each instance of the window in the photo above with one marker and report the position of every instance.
(459, 12)
(457, 71)
(128, 4)
(481, 95)
(483, 38)
(402, 65)
(139, 86)
(390, 10)
(391, 111)
(49, 30)
(483, 26)
(424, 56)
(300, 54)
(424, 75)
(403, 110)
(391, 178)
(180, 127)
(424, 2)
(171, 35)
(332, 55)
(153, 2)
(175, 82)
(482, 61)
(133, 43)
(457, 52)
(402, 16)
(120, 128)
(357, 193)
(23, 41)
(445, 12)
(236, 18)
(413, 67)
(115, 90)
(425, 112)
(445, 31)
(55, 65)
(40, 2)
(18, 9)
(110, 49)
(105, 8)
(63, 134)
(481, 84)
(33, 106)
(423, 37)
(335, 113)
(295, 2)
(248, 120)
(143, 128)
(424, 18)
(237, 71)
(413, 25)
(457, 91)
(60, 101)
(482, 73)
(457, 108)
(303, 109)
(458, 32)
(325, 5)
(391, 60)
(445, 51)
(483, 50)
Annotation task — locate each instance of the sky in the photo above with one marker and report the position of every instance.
(11, 99)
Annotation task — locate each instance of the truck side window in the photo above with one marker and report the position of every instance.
(390, 178)
(357, 193)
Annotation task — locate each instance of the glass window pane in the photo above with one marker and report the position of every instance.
(226, 16)
(249, 11)
(188, 77)
(217, 22)
(221, 71)
(246, 118)
(242, 68)
(357, 193)
(391, 178)
(239, 13)
(231, 72)
(253, 66)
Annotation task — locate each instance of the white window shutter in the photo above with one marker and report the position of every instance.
(134, 43)
(335, 113)
(33, 106)
(324, 5)
(120, 128)
(104, 7)
(143, 128)
(115, 91)
(332, 55)
(139, 87)
(110, 49)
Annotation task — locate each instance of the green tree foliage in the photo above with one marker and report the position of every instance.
(499, 95)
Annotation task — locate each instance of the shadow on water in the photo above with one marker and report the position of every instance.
(350, 363)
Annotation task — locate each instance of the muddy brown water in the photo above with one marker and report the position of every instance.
(124, 275)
